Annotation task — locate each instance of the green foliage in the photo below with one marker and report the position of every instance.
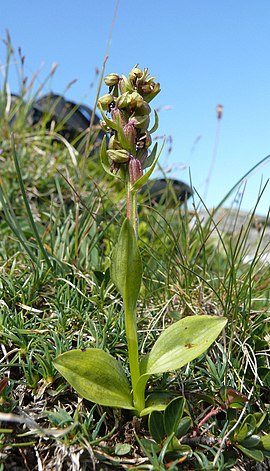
(126, 269)
(70, 304)
(97, 376)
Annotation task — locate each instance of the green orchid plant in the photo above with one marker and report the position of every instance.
(94, 373)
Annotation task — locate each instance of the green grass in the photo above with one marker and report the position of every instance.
(59, 219)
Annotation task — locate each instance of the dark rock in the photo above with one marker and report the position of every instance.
(166, 190)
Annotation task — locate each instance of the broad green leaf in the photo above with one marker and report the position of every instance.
(256, 455)
(126, 270)
(246, 429)
(152, 408)
(265, 443)
(173, 414)
(261, 420)
(97, 376)
(183, 427)
(251, 442)
(241, 434)
(156, 426)
(183, 341)
(122, 449)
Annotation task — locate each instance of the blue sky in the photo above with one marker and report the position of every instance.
(203, 52)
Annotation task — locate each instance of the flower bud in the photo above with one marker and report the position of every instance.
(113, 143)
(135, 73)
(104, 126)
(116, 114)
(135, 170)
(123, 101)
(130, 133)
(112, 79)
(135, 100)
(105, 100)
(144, 108)
(147, 139)
(119, 156)
(125, 85)
(154, 90)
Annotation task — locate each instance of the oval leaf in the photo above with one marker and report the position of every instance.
(256, 455)
(182, 342)
(97, 376)
(173, 414)
(265, 443)
(126, 271)
(156, 426)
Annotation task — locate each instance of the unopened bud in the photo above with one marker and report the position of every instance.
(123, 101)
(111, 79)
(154, 90)
(144, 108)
(125, 85)
(119, 156)
(105, 100)
(135, 73)
(135, 100)
(113, 143)
(116, 114)
(135, 170)
(130, 133)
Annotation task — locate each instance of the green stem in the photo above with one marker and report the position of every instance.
(131, 314)
(133, 354)
(131, 208)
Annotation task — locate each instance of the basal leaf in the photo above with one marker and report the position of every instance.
(182, 342)
(97, 376)
(156, 426)
(254, 454)
(173, 414)
(126, 270)
(265, 443)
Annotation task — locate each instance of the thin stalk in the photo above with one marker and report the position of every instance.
(131, 208)
(133, 355)
(131, 314)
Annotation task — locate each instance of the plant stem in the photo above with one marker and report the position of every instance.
(131, 314)
(133, 354)
(131, 208)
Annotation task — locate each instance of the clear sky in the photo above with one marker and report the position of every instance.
(203, 52)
